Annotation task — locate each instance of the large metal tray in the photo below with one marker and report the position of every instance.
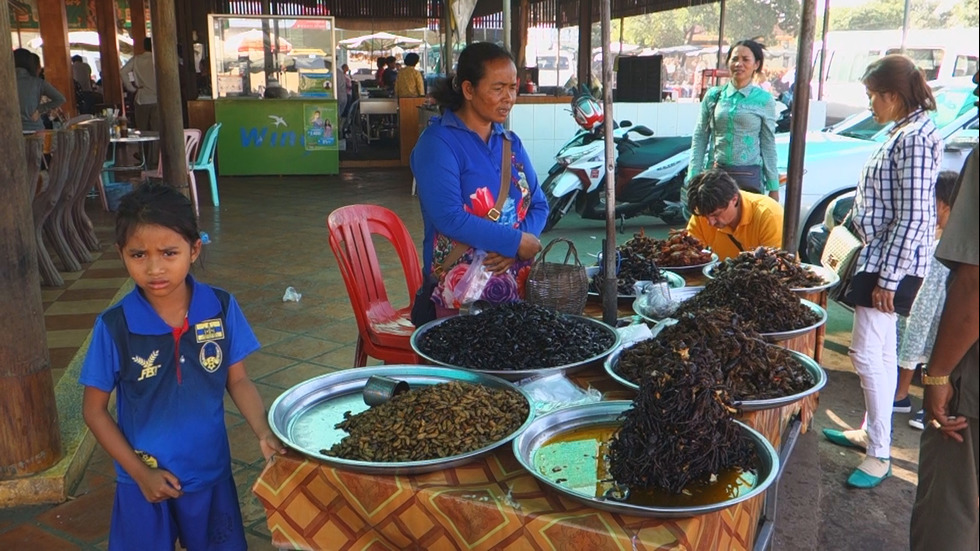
(304, 416)
(817, 372)
(553, 424)
(640, 306)
(519, 374)
(674, 281)
(829, 276)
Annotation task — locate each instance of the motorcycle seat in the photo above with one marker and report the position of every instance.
(651, 151)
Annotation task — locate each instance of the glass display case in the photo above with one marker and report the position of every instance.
(272, 56)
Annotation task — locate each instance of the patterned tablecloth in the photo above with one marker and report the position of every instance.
(491, 503)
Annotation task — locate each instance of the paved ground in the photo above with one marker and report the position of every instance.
(269, 233)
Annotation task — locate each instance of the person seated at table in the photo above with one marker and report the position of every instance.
(382, 63)
(31, 89)
(730, 220)
(390, 75)
(457, 163)
(409, 83)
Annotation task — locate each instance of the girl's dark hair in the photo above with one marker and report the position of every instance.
(448, 92)
(156, 204)
(709, 191)
(758, 51)
(944, 186)
(897, 74)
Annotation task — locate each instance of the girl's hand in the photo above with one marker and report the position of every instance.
(158, 485)
(270, 446)
(883, 300)
(497, 263)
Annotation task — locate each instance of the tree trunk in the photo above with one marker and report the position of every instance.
(164, 22)
(29, 437)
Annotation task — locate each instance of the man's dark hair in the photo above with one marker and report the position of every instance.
(944, 186)
(76, 57)
(709, 191)
(412, 59)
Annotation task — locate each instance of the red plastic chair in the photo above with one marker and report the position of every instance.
(384, 331)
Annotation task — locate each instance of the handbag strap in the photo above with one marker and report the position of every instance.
(458, 249)
(571, 251)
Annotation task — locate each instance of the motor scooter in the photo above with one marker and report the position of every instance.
(649, 171)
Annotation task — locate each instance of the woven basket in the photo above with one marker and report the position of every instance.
(564, 286)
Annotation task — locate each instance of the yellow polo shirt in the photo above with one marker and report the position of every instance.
(761, 225)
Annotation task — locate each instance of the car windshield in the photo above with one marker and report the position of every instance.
(951, 103)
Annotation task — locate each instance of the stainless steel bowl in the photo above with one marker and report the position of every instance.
(519, 374)
(817, 372)
(829, 276)
(548, 426)
(304, 417)
(642, 308)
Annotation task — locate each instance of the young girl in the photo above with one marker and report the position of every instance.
(917, 333)
(170, 349)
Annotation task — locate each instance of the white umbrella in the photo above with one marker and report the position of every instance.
(86, 40)
(254, 40)
(378, 42)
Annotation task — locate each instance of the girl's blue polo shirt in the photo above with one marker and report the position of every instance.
(175, 415)
(450, 162)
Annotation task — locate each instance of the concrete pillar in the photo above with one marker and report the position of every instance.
(57, 59)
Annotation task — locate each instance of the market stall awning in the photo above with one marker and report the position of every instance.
(379, 42)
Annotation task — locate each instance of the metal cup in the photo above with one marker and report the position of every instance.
(379, 389)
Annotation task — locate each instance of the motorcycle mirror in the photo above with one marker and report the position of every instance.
(643, 131)
(625, 124)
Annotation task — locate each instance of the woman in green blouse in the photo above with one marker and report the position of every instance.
(735, 131)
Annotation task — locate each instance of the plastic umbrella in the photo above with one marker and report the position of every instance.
(379, 42)
(254, 40)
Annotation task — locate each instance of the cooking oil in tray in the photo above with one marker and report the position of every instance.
(577, 460)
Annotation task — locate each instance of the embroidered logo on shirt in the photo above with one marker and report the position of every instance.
(209, 330)
(210, 356)
(149, 365)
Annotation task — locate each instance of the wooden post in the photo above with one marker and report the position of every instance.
(105, 21)
(164, 21)
(29, 436)
(137, 29)
(57, 60)
(584, 43)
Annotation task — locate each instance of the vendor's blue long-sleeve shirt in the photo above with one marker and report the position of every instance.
(449, 163)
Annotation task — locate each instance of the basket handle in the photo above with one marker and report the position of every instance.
(571, 251)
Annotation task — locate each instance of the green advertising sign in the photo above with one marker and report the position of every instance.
(277, 136)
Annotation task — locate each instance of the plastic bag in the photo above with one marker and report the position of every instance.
(557, 391)
(291, 295)
(474, 281)
(659, 302)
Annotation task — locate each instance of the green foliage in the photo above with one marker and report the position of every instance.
(888, 14)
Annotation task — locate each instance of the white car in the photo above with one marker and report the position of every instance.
(834, 157)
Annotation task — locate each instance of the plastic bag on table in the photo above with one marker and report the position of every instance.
(557, 391)
(474, 281)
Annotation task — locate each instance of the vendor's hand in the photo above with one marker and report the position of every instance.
(883, 300)
(774, 194)
(530, 246)
(498, 263)
(935, 400)
(35, 115)
(270, 446)
(158, 485)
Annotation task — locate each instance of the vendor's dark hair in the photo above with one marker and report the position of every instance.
(472, 66)
(381, 61)
(156, 204)
(709, 191)
(758, 51)
(24, 59)
(897, 74)
(945, 185)
(412, 59)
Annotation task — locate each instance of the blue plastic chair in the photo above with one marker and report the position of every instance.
(205, 158)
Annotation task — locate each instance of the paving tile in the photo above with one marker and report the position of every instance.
(51, 294)
(55, 322)
(104, 294)
(260, 364)
(96, 273)
(301, 348)
(67, 338)
(101, 283)
(85, 518)
(295, 374)
(341, 358)
(61, 357)
(77, 307)
(34, 538)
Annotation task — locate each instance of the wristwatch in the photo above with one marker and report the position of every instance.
(929, 380)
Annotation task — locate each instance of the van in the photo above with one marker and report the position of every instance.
(554, 68)
(941, 54)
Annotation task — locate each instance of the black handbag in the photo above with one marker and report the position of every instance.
(423, 309)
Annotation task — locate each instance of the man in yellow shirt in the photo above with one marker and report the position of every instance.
(409, 83)
(730, 220)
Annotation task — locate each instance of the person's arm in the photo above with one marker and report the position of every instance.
(249, 403)
(55, 98)
(438, 170)
(156, 484)
(125, 75)
(959, 329)
(915, 172)
(767, 145)
(702, 132)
